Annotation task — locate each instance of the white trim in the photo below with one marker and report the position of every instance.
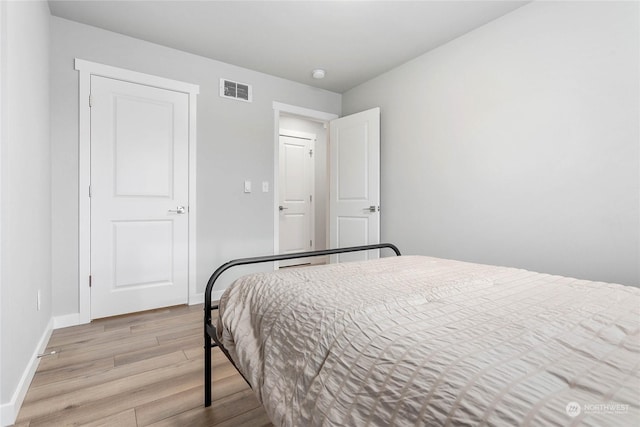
(196, 299)
(10, 409)
(97, 69)
(276, 183)
(84, 202)
(4, 409)
(193, 114)
(305, 113)
(66, 320)
(87, 69)
(199, 298)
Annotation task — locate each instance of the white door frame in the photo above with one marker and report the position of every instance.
(87, 69)
(304, 113)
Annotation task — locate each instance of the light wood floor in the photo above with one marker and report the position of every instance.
(137, 370)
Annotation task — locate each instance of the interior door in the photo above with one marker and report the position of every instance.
(139, 195)
(354, 194)
(295, 196)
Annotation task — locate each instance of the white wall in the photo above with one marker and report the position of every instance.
(25, 197)
(321, 177)
(517, 144)
(235, 142)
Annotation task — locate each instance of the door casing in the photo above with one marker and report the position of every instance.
(311, 115)
(303, 113)
(86, 70)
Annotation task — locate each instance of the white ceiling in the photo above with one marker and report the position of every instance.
(353, 41)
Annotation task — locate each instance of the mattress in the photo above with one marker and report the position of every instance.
(412, 340)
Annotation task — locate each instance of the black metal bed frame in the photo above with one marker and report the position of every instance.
(210, 330)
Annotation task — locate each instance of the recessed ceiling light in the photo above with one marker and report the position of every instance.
(318, 73)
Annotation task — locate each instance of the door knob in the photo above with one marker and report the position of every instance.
(178, 210)
(373, 208)
(281, 208)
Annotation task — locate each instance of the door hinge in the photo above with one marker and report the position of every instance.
(311, 153)
(90, 100)
(311, 197)
(89, 191)
(310, 243)
(89, 280)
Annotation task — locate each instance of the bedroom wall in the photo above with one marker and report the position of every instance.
(25, 197)
(517, 143)
(235, 142)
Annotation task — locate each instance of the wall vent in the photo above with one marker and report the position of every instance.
(235, 90)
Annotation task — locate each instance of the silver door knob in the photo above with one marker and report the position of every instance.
(373, 209)
(178, 210)
(281, 208)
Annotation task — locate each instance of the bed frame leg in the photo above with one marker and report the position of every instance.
(207, 370)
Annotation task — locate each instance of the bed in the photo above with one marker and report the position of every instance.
(414, 340)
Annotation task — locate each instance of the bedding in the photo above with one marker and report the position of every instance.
(416, 340)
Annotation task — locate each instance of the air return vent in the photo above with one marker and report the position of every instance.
(235, 90)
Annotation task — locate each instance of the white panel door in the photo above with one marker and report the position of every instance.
(295, 196)
(354, 193)
(139, 195)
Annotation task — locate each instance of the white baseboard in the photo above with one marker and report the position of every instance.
(67, 320)
(199, 298)
(73, 319)
(196, 299)
(9, 411)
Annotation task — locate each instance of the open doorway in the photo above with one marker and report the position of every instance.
(301, 189)
(346, 204)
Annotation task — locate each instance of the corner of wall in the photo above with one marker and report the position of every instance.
(9, 411)
(24, 77)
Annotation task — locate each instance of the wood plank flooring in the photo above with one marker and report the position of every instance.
(144, 369)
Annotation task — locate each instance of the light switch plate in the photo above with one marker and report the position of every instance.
(265, 186)
(247, 186)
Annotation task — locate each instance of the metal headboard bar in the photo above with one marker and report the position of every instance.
(210, 330)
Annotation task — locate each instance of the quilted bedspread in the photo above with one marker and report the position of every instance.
(411, 340)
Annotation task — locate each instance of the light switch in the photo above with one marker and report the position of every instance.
(265, 186)
(247, 186)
